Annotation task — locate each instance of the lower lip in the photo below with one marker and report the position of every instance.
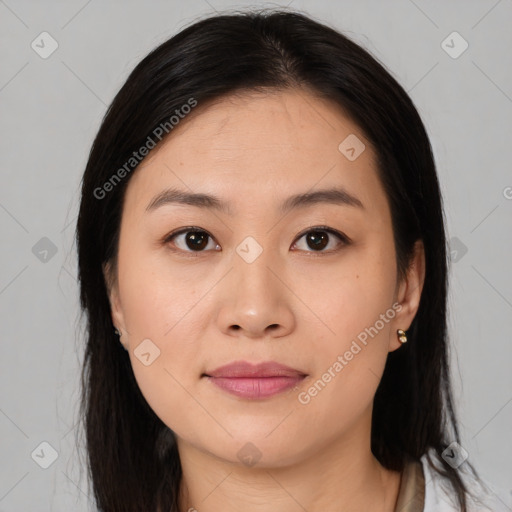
(254, 388)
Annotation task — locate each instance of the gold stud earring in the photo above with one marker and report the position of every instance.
(402, 337)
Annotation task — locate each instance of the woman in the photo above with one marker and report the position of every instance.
(261, 224)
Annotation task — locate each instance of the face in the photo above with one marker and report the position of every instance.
(255, 276)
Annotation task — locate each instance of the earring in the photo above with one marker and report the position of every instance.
(402, 337)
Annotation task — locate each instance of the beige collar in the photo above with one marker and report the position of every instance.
(411, 496)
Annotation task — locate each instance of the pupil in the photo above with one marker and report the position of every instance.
(196, 240)
(318, 239)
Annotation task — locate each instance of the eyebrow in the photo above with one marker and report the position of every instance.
(337, 196)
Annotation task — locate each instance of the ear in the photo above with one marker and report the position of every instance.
(113, 296)
(409, 295)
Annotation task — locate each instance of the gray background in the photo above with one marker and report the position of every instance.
(51, 109)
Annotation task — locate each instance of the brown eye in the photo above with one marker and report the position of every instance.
(319, 238)
(196, 240)
(191, 240)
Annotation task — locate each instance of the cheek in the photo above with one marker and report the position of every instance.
(156, 296)
(351, 353)
(172, 367)
(157, 307)
(351, 298)
(163, 313)
(350, 363)
(165, 391)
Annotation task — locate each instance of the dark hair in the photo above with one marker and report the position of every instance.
(229, 54)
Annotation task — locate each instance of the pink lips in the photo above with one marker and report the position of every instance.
(263, 380)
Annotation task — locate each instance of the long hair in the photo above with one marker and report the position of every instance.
(133, 462)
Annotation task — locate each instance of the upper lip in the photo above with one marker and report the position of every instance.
(246, 369)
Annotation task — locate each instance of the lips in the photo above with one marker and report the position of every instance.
(245, 369)
(263, 380)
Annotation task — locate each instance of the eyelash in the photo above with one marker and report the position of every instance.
(345, 240)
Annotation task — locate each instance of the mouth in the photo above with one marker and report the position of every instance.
(257, 381)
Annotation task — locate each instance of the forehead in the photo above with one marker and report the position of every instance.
(275, 120)
(253, 145)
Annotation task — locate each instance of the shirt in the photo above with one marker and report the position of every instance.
(422, 489)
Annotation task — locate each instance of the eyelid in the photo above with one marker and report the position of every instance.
(186, 229)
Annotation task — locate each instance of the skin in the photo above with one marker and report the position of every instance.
(295, 305)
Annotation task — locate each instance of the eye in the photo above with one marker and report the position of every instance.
(191, 239)
(318, 238)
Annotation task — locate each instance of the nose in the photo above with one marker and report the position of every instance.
(256, 300)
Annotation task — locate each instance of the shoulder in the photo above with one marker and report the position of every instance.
(439, 496)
